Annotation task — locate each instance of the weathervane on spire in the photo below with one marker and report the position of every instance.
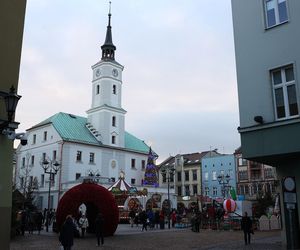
(108, 48)
(109, 13)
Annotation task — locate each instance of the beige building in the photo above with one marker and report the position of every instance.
(184, 176)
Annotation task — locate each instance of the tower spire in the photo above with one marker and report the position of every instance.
(108, 48)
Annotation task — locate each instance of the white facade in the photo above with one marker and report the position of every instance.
(97, 144)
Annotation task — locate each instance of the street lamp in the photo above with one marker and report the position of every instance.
(168, 171)
(224, 180)
(51, 168)
(11, 100)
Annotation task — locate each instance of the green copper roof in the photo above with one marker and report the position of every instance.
(133, 143)
(73, 128)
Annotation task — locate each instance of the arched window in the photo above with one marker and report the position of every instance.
(98, 89)
(113, 121)
(114, 89)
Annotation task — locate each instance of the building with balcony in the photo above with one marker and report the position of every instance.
(253, 178)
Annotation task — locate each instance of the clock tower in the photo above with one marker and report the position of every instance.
(106, 117)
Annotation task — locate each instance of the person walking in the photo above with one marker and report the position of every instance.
(162, 219)
(39, 221)
(66, 236)
(99, 225)
(173, 218)
(83, 223)
(246, 225)
(131, 217)
(24, 223)
(143, 217)
(156, 218)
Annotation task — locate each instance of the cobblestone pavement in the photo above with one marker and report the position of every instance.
(133, 239)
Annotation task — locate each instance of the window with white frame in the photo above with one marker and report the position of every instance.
(92, 158)
(42, 180)
(206, 176)
(284, 90)
(132, 163)
(194, 172)
(113, 139)
(195, 189)
(79, 156)
(179, 190)
(214, 175)
(206, 190)
(32, 160)
(179, 176)
(187, 190)
(34, 139)
(45, 135)
(54, 154)
(143, 164)
(276, 12)
(215, 191)
(186, 175)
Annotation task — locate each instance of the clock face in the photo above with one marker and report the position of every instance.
(115, 72)
(289, 184)
(98, 72)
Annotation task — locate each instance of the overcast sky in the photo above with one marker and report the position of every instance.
(179, 80)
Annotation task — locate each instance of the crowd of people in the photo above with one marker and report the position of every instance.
(34, 220)
(148, 219)
(70, 228)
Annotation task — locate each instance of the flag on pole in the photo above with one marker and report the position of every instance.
(233, 193)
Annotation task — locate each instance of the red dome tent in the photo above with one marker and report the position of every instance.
(96, 198)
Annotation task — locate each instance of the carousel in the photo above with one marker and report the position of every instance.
(129, 198)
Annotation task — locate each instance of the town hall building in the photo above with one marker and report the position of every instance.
(96, 145)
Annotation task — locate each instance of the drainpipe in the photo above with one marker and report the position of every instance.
(60, 170)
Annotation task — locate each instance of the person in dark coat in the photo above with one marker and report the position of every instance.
(39, 221)
(99, 225)
(23, 222)
(143, 218)
(246, 225)
(66, 236)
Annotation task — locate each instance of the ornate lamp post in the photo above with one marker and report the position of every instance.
(168, 171)
(224, 180)
(11, 100)
(51, 168)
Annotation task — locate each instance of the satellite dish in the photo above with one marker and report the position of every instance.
(186, 198)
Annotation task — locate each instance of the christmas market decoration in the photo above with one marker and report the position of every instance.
(121, 190)
(151, 170)
(229, 205)
(96, 198)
